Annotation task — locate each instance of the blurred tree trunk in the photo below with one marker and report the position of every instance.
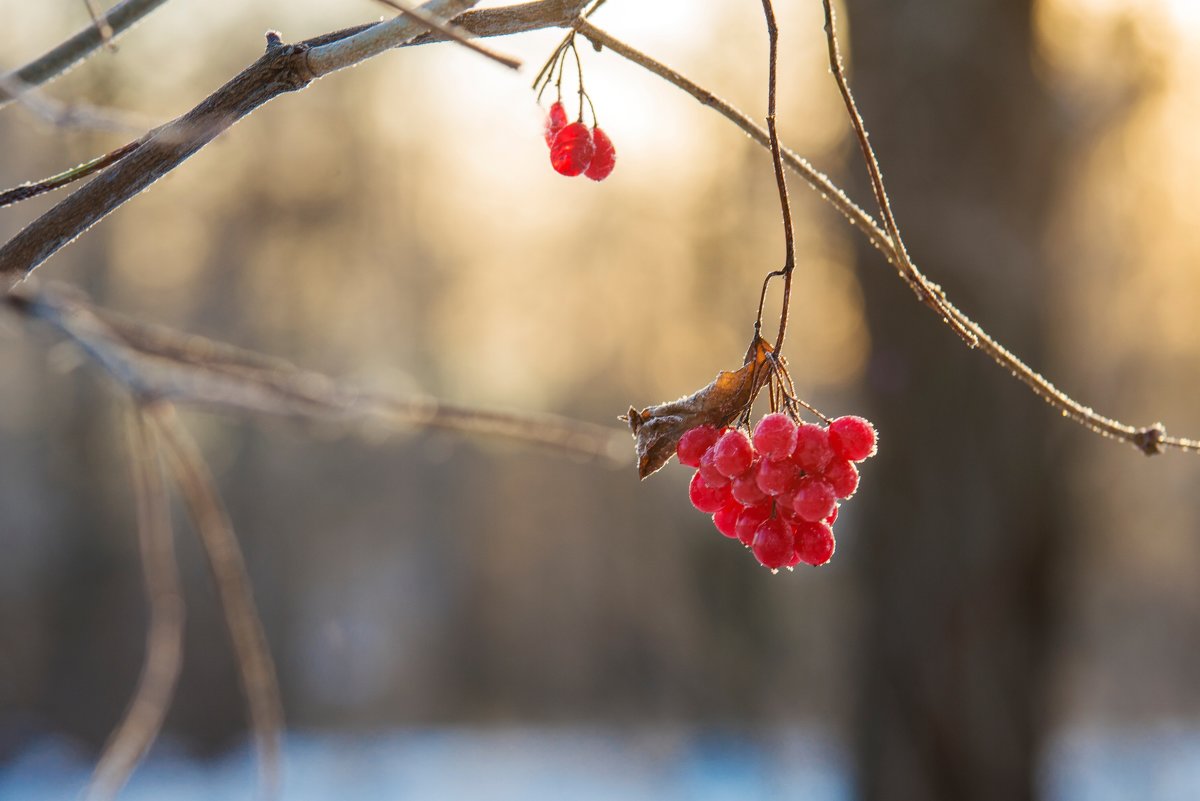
(960, 537)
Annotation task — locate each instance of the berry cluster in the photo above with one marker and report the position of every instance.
(575, 149)
(777, 491)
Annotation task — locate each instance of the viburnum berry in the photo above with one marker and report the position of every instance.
(749, 520)
(605, 157)
(745, 488)
(694, 443)
(725, 519)
(814, 543)
(776, 478)
(773, 543)
(708, 469)
(572, 149)
(813, 451)
(842, 475)
(556, 120)
(775, 436)
(814, 500)
(733, 454)
(852, 438)
(707, 499)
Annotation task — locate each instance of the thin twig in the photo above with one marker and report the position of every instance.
(1150, 439)
(102, 27)
(131, 740)
(789, 261)
(225, 560)
(928, 294)
(30, 190)
(58, 60)
(453, 33)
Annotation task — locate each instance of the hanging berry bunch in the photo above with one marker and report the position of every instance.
(575, 149)
(776, 486)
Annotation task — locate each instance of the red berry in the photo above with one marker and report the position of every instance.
(814, 543)
(852, 438)
(775, 436)
(749, 520)
(694, 443)
(706, 498)
(813, 451)
(725, 519)
(745, 488)
(832, 516)
(773, 543)
(814, 500)
(733, 454)
(708, 468)
(843, 477)
(776, 478)
(556, 120)
(572, 149)
(605, 157)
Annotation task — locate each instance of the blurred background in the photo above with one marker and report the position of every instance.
(1013, 609)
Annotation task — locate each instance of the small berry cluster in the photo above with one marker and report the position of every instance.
(777, 491)
(575, 149)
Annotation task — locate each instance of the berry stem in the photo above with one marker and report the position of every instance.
(789, 261)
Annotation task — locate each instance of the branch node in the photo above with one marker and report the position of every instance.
(1149, 440)
(274, 40)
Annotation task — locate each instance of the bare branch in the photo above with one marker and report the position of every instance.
(159, 363)
(164, 633)
(58, 60)
(29, 190)
(283, 68)
(453, 33)
(255, 668)
(1150, 439)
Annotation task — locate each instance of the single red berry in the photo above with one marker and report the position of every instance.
(712, 476)
(725, 519)
(694, 443)
(794, 560)
(775, 436)
(556, 120)
(745, 488)
(773, 543)
(776, 478)
(843, 477)
(832, 516)
(814, 500)
(814, 543)
(572, 149)
(852, 438)
(605, 157)
(813, 451)
(733, 454)
(706, 498)
(749, 520)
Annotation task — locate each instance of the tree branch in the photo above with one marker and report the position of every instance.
(58, 60)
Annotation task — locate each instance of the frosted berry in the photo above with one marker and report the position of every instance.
(733, 454)
(694, 443)
(776, 478)
(707, 499)
(843, 477)
(572, 149)
(775, 436)
(852, 438)
(773, 543)
(814, 500)
(749, 520)
(746, 490)
(605, 157)
(708, 469)
(556, 120)
(813, 451)
(725, 519)
(814, 543)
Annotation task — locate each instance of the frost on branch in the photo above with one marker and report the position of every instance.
(658, 428)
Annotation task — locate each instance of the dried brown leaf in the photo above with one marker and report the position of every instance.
(658, 428)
